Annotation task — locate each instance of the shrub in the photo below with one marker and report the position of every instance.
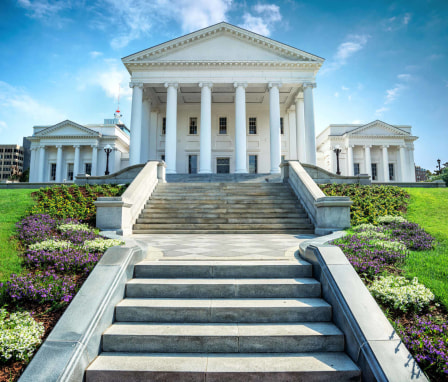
(401, 293)
(40, 287)
(20, 334)
(35, 228)
(370, 202)
(64, 261)
(74, 227)
(100, 244)
(427, 338)
(50, 245)
(411, 235)
(391, 219)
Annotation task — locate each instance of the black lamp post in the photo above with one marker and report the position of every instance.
(107, 150)
(438, 164)
(337, 151)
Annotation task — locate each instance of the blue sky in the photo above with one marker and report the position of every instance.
(384, 60)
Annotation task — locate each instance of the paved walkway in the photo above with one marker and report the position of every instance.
(203, 246)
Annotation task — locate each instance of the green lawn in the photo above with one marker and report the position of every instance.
(13, 205)
(429, 208)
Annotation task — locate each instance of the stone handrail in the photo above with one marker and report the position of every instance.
(322, 176)
(328, 213)
(120, 213)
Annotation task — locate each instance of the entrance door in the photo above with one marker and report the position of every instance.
(192, 164)
(223, 165)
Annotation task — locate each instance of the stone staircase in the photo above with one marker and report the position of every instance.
(223, 321)
(223, 208)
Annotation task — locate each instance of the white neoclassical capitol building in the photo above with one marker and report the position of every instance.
(220, 100)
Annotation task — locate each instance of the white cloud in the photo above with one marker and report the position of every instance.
(263, 18)
(392, 94)
(136, 18)
(18, 102)
(404, 77)
(336, 94)
(356, 122)
(345, 50)
(95, 54)
(379, 112)
(3, 125)
(397, 22)
(46, 10)
(406, 18)
(345, 88)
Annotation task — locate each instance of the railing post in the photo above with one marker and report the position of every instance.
(161, 172)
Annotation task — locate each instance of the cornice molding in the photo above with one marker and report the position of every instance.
(46, 131)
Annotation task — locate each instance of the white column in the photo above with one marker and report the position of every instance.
(94, 160)
(368, 160)
(310, 130)
(76, 162)
(153, 138)
(411, 168)
(240, 128)
(385, 163)
(301, 136)
(350, 169)
(403, 166)
(146, 138)
(274, 123)
(171, 128)
(205, 154)
(59, 164)
(32, 165)
(136, 123)
(292, 134)
(41, 164)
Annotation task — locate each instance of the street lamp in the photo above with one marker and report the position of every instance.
(107, 150)
(438, 163)
(337, 151)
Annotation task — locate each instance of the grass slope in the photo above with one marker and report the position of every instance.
(429, 208)
(13, 205)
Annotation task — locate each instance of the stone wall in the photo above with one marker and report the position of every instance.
(321, 176)
(127, 175)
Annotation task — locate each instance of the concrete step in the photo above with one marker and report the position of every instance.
(223, 226)
(224, 208)
(313, 367)
(216, 201)
(222, 288)
(221, 220)
(222, 310)
(223, 338)
(146, 214)
(223, 231)
(223, 269)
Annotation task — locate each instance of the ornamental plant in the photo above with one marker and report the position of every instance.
(74, 227)
(35, 228)
(20, 335)
(100, 244)
(50, 245)
(426, 336)
(401, 293)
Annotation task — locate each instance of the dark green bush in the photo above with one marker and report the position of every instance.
(369, 202)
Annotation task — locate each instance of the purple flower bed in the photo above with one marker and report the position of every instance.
(77, 237)
(64, 261)
(367, 257)
(427, 338)
(36, 228)
(40, 287)
(411, 235)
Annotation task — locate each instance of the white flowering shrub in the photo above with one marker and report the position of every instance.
(401, 293)
(75, 227)
(20, 335)
(390, 245)
(50, 245)
(391, 219)
(365, 227)
(100, 244)
(372, 235)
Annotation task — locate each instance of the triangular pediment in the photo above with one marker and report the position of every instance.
(376, 128)
(222, 42)
(67, 128)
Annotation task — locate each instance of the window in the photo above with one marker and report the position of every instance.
(252, 125)
(253, 164)
(162, 157)
(53, 172)
(163, 126)
(356, 169)
(193, 126)
(69, 171)
(222, 125)
(391, 171)
(88, 168)
(282, 131)
(223, 165)
(192, 164)
(374, 173)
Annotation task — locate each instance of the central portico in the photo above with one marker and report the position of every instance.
(222, 99)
